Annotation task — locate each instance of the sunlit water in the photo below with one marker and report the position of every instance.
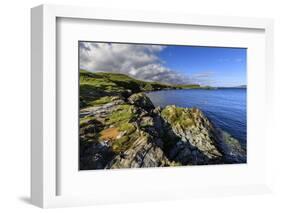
(226, 108)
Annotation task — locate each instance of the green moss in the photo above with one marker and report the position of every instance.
(121, 118)
(102, 100)
(125, 142)
(123, 114)
(121, 144)
(178, 116)
(128, 127)
(83, 121)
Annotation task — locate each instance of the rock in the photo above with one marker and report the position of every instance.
(143, 153)
(195, 132)
(146, 121)
(102, 110)
(145, 136)
(232, 150)
(94, 155)
(142, 101)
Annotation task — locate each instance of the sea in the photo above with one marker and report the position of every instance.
(225, 107)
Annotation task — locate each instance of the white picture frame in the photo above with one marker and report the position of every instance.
(44, 155)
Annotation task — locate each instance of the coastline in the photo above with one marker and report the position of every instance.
(121, 128)
(226, 108)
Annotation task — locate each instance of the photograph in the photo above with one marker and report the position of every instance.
(161, 105)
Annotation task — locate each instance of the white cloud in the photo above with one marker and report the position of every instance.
(139, 61)
(204, 78)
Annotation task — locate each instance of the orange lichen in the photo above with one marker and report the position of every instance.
(109, 134)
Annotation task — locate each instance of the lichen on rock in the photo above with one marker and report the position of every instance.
(196, 143)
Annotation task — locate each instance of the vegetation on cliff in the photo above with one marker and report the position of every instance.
(100, 88)
(121, 128)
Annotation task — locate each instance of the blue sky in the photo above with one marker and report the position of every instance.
(219, 66)
(213, 66)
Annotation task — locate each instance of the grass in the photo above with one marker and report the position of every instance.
(102, 100)
(188, 86)
(94, 86)
(125, 142)
(123, 114)
(109, 82)
(121, 144)
(120, 120)
(128, 127)
(98, 88)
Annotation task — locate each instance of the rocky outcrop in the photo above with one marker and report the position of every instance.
(122, 131)
(199, 141)
(143, 153)
(141, 100)
(131, 133)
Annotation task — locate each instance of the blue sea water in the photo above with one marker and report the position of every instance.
(225, 107)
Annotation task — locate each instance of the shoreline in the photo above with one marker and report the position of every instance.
(121, 128)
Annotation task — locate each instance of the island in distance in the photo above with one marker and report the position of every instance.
(120, 127)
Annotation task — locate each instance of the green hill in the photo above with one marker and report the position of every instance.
(99, 88)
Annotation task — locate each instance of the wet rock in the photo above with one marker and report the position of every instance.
(232, 150)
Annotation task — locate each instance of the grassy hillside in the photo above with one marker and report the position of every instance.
(188, 86)
(101, 88)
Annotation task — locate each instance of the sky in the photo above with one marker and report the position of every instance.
(173, 64)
